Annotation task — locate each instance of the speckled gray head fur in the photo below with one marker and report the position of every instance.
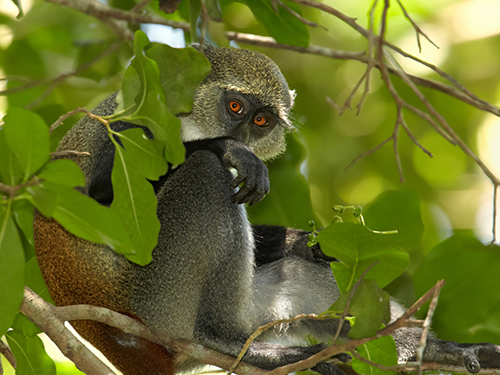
(246, 72)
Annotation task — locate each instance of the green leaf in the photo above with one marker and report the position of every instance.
(143, 155)
(27, 135)
(135, 204)
(165, 127)
(24, 212)
(11, 270)
(469, 304)
(181, 71)
(142, 77)
(398, 210)
(30, 355)
(370, 305)
(382, 351)
(214, 10)
(10, 170)
(357, 249)
(64, 172)
(35, 281)
(85, 218)
(289, 202)
(45, 200)
(282, 26)
(19, 7)
(194, 14)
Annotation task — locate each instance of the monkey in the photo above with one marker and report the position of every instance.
(214, 277)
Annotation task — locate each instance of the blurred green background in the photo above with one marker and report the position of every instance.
(442, 196)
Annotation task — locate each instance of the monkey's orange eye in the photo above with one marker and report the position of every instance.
(235, 107)
(260, 121)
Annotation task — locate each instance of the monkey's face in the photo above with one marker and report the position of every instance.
(245, 97)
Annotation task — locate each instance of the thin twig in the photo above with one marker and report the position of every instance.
(366, 153)
(297, 15)
(425, 330)
(495, 199)
(61, 118)
(417, 28)
(370, 63)
(362, 57)
(268, 326)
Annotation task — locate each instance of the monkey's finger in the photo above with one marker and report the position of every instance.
(247, 194)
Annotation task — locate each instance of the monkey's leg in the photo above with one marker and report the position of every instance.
(81, 272)
(274, 242)
(472, 356)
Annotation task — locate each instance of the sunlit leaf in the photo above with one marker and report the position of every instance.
(24, 212)
(11, 270)
(181, 71)
(135, 203)
(143, 156)
(159, 119)
(370, 305)
(64, 172)
(382, 351)
(10, 170)
(85, 218)
(30, 354)
(357, 249)
(27, 135)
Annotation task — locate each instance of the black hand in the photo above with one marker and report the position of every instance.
(252, 172)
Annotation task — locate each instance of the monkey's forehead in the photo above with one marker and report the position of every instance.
(249, 72)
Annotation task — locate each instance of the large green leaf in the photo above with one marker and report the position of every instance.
(143, 156)
(24, 212)
(181, 71)
(64, 172)
(141, 77)
(155, 115)
(84, 217)
(357, 248)
(27, 135)
(282, 26)
(144, 101)
(369, 304)
(469, 303)
(10, 170)
(382, 351)
(134, 199)
(30, 354)
(11, 270)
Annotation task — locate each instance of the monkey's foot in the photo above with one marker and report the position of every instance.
(472, 356)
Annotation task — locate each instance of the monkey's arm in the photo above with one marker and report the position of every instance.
(274, 242)
(232, 153)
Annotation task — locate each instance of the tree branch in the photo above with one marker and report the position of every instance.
(50, 319)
